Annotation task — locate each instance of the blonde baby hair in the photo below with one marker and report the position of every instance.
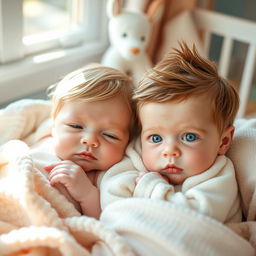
(92, 83)
(183, 74)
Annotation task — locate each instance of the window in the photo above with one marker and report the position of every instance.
(50, 23)
(44, 22)
(30, 26)
(44, 16)
(42, 37)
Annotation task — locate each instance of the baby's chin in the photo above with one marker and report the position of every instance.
(174, 179)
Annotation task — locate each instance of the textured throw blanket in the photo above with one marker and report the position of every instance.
(35, 219)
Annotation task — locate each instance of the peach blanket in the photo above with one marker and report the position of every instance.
(35, 218)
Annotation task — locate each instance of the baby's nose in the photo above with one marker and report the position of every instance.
(90, 140)
(171, 151)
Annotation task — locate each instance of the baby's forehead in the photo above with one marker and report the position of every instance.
(113, 108)
(191, 109)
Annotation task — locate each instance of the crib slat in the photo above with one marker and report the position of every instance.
(231, 28)
(225, 56)
(224, 25)
(246, 81)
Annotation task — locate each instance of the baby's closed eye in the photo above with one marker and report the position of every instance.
(75, 126)
(111, 136)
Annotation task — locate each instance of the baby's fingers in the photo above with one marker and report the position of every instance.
(49, 167)
(63, 164)
(59, 178)
(57, 170)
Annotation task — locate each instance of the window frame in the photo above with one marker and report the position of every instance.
(26, 70)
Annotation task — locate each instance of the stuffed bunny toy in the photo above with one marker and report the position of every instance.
(129, 34)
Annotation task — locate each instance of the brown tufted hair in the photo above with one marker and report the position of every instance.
(183, 74)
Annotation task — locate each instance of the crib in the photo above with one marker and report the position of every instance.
(231, 29)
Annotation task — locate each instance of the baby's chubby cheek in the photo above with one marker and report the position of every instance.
(148, 160)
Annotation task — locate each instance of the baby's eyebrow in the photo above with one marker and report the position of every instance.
(160, 128)
(152, 129)
(201, 130)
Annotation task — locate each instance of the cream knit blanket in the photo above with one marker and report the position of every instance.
(35, 219)
(119, 182)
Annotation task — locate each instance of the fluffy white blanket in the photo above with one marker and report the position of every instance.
(35, 219)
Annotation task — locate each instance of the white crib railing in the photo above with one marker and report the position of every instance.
(231, 29)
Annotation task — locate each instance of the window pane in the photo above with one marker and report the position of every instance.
(46, 16)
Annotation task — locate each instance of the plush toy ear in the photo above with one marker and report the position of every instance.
(155, 10)
(113, 8)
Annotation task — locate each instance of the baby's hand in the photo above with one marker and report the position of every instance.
(72, 176)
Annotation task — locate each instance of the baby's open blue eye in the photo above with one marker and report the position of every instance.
(190, 137)
(156, 138)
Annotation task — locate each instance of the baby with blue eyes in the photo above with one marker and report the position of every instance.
(186, 113)
(180, 139)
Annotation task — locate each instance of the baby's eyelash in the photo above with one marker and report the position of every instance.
(155, 138)
(75, 126)
(190, 137)
(111, 136)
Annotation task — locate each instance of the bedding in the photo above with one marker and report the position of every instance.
(36, 219)
(214, 192)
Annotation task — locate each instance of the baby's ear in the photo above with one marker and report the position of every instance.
(226, 140)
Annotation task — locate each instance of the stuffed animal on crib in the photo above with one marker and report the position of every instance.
(129, 33)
